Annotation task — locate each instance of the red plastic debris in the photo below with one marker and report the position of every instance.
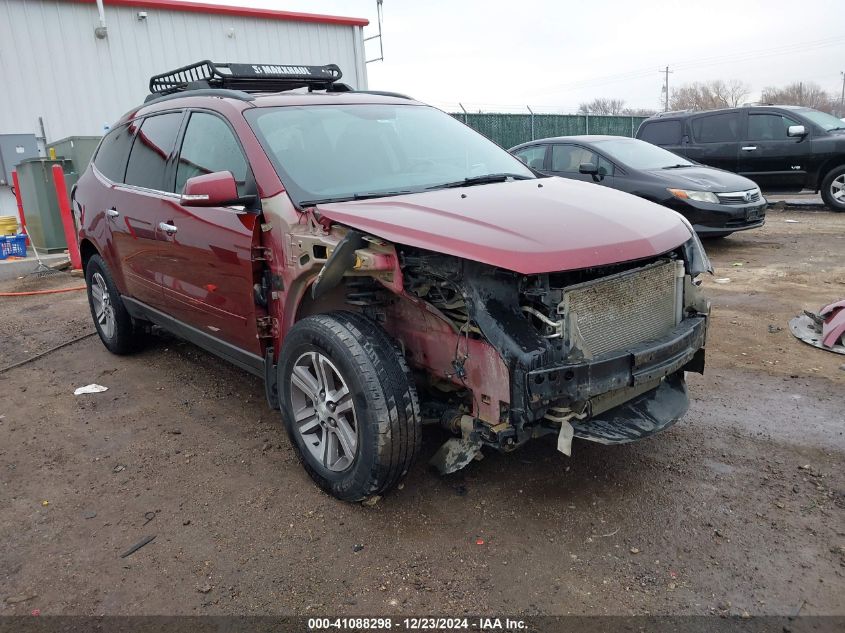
(479, 541)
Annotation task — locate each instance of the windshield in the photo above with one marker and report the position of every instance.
(824, 120)
(339, 152)
(639, 154)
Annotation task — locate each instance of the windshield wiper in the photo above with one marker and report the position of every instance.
(677, 166)
(480, 180)
(355, 196)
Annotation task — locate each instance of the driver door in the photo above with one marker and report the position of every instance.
(567, 159)
(206, 252)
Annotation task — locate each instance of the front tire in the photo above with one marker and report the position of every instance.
(833, 189)
(114, 325)
(349, 404)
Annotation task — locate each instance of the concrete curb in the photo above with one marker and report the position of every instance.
(12, 269)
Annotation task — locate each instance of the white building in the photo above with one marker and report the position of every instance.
(66, 64)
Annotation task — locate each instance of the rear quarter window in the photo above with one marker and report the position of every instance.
(661, 132)
(113, 152)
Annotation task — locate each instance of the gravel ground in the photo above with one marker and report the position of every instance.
(737, 508)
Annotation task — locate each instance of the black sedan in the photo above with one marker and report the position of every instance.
(716, 202)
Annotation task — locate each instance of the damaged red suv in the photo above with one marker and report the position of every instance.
(382, 267)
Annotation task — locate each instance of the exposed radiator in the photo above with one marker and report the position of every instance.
(622, 310)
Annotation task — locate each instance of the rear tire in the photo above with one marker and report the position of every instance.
(114, 325)
(349, 404)
(833, 189)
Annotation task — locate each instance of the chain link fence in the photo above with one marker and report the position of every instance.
(512, 129)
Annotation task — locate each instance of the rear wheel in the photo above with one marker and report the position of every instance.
(833, 189)
(348, 404)
(114, 325)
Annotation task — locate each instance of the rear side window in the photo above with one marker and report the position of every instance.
(768, 127)
(152, 147)
(209, 146)
(532, 156)
(661, 132)
(718, 128)
(113, 152)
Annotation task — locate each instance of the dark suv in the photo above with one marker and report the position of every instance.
(781, 148)
(382, 266)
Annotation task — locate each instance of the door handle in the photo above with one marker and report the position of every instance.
(170, 229)
(749, 148)
(112, 213)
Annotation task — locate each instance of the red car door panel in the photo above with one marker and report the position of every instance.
(140, 205)
(207, 271)
(206, 263)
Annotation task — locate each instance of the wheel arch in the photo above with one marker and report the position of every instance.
(828, 166)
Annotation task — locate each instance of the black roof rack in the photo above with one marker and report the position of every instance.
(248, 78)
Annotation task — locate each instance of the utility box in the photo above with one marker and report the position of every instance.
(13, 149)
(40, 205)
(78, 149)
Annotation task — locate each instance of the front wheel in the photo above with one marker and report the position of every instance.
(349, 404)
(833, 189)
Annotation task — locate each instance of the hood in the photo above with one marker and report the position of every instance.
(701, 178)
(528, 226)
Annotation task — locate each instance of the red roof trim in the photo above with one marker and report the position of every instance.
(222, 9)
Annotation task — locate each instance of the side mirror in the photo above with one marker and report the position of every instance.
(796, 131)
(217, 189)
(588, 168)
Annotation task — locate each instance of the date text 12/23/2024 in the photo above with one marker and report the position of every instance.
(416, 624)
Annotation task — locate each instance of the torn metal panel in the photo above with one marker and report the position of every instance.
(825, 330)
(457, 452)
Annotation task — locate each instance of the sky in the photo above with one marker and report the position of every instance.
(553, 55)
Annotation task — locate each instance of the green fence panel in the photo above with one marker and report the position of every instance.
(512, 129)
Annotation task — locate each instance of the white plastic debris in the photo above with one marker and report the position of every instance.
(92, 388)
(792, 221)
(722, 280)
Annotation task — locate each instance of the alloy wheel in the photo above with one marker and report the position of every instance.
(323, 411)
(837, 188)
(103, 308)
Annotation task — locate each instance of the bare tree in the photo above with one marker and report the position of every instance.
(709, 95)
(602, 105)
(801, 94)
(639, 112)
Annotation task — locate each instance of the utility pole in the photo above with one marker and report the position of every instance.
(842, 98)
(666, 72)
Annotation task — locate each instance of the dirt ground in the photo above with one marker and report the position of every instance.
(740, 507)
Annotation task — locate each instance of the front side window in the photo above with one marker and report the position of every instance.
(662, 132)
(210, 146)
(113, 152)
(568, 158)
(153, 145)
(769, 127)
(336, 152)
(717, 128)
(532, 156)
(638, 154)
